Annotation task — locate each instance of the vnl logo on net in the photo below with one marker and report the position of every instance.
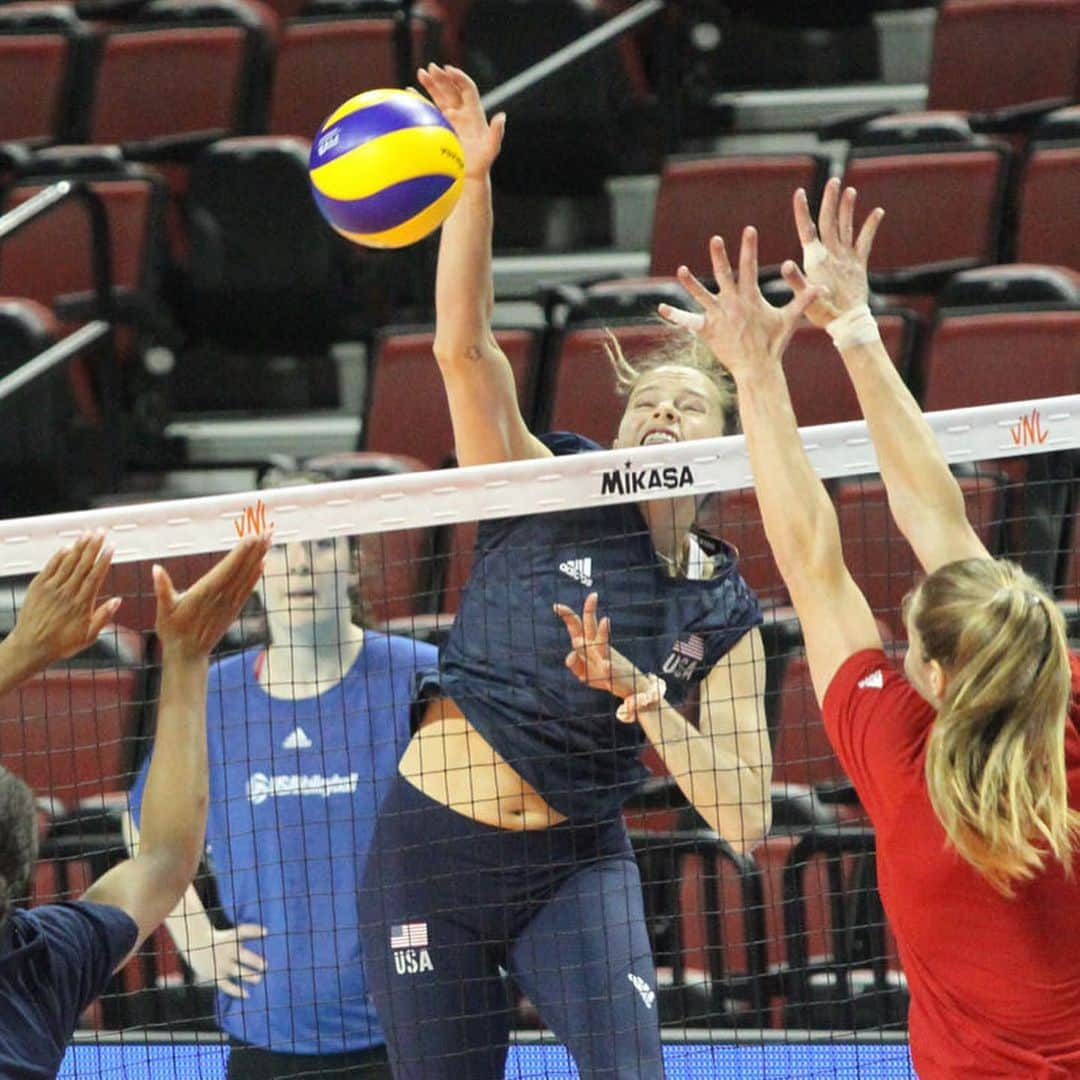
(1028, 430)
(252, 520)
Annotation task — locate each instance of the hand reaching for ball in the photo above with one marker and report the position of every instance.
(456, 97)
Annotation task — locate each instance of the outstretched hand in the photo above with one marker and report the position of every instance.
(597, 664)
(833, 257)
(191, 623)
(60, 615)
(738, 324)
(456, 97)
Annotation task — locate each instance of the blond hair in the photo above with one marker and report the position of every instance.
(683, 349)
(995, 759)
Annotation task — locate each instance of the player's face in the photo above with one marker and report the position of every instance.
(309, 581)
(671, 404)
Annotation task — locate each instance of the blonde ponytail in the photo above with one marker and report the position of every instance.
(995, 760)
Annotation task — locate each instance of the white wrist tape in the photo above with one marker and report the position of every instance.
(854, 327)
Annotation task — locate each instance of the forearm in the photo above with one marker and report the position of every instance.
(174, 805)
(796, 512)
(733, 796)
(17, 663)
(464, 291)
(913, 468)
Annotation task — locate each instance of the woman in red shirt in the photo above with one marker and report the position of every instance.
(968, 763)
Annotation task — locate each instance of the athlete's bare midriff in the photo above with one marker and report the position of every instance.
(452, 763)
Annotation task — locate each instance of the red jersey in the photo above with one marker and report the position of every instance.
(995, 982)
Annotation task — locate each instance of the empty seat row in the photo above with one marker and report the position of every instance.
(953, 199)
(179, 73)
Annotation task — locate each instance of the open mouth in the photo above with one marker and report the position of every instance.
(659, 437)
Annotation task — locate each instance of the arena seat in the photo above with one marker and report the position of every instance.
(177, 75)
(851, 979)
(581, 394)
(406, 409)
(1048, 192)
(704, 907)
(51, 259)
(944, 208)
(334, 49)
(721, 195)
(268, 285)
(993, 54)
(67, 733)
(42, 50)
(880, 559)
(33, 471)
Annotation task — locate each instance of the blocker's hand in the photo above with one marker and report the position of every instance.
(834, 259)
(738, 324)
(456, 97)
(60, 615)
(191, 623)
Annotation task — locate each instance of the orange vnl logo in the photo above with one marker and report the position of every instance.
(252, 521)
(1029, 431)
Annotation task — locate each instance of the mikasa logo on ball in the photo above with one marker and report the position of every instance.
(329, 140)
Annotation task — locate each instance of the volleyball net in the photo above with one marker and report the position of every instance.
(779, 958)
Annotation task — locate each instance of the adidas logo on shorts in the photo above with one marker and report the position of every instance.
(578, 569)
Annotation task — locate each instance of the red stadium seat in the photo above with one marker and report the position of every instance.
(943, 204)
(67, 733)
(880, 559)
(178, 75)
(406, 410)
(980, 358)
(331, 51)
(990, 54)
(734, 516)
(583, 396)
(41, 49)
(721, 195)
(821, 391)
(1049, 190)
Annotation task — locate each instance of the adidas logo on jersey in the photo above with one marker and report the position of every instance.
(874, 681)
(578, 569)
(297, 739)
(648, 995)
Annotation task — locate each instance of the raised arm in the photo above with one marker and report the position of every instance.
(480, 390)
(60, 614)
(174, 805)
(749, 337)
(924, 497)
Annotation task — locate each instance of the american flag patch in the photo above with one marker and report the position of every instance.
(694, 648)
(410, 935)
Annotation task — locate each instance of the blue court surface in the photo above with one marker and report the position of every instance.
(685, 1061)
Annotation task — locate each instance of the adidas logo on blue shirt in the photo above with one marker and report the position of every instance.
(578, 569)
(297, 739)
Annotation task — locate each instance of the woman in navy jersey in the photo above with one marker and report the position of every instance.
(55, 959)
(968, 762)
(501, 848)
(303, 738)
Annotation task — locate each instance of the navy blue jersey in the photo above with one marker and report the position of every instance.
(54, 960)
(504, 661)
(294, 788)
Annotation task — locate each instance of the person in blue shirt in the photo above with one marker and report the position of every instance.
(304, 736)
(501, 846)
(55, 959)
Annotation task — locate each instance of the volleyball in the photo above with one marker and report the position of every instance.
(386, 168)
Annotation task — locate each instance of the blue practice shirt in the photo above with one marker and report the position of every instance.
(504, 661)
(294, 788)
(54, 961)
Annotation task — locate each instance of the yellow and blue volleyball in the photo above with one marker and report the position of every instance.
(386, 168)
